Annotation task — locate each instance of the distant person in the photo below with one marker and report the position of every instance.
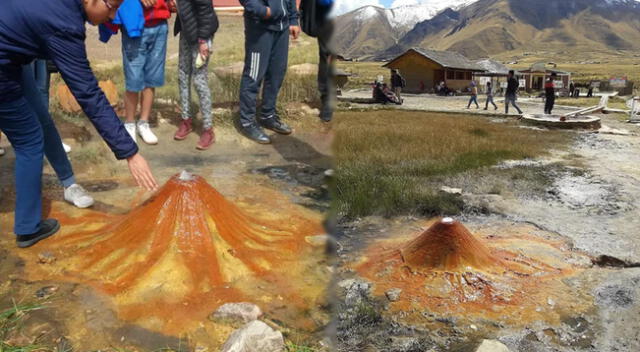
(2, 151)
(590, 92)
(511, 95)
(53, 30)
(572, 89)
(490, 97)
(144, 57)
(474, 95)
(316, 23)
(550, 94)
(267, 31)
(397, 83)
(196, 23)
(576, 93)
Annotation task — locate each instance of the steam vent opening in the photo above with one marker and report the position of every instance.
(183, 253)
(449, 271)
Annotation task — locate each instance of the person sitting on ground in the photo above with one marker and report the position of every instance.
(511, 95)
(53, 30)
(490, 97)
(144, 59)
(196, 23)
(550, 94)
(474, 95)
(267, 31)
(397, 83)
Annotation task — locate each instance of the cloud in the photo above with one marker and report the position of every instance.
(398, 3)
(344, 6)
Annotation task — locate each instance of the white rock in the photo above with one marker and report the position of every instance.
(393, 294)
(243, 312)
(450, 190)
(492, 346)
(256, 336)
(317, 241)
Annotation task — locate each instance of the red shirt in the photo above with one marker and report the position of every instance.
(157, 14)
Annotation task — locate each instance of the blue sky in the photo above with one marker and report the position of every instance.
(386, 3)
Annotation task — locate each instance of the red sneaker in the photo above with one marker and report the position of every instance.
(183, 130)
(206, 139)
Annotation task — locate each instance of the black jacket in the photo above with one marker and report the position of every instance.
(397, 81)
(196, 20)
(314, 18)
(512, 86)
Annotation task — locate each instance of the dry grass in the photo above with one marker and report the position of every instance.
(615, 102)
(385, 159)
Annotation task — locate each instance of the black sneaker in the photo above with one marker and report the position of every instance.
(253, 132)
(47, 229)
(273, 123)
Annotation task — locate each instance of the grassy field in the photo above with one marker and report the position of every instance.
(385, 159)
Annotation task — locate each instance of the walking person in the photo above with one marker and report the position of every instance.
(196, 23)
(490, 97)
(511, 95)
(550, 94)
(144, 56)
(397, 83)
(53, 30)
(474, 95)
(267, 30)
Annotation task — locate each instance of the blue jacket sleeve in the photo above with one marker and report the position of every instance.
(293, 13)
(68, 52)
(254, 7)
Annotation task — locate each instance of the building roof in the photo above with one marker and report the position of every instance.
(446, 59)
(541, 67)
(493, 68)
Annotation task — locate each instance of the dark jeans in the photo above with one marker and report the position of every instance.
(35, 85)
(511, 99)
(548, 105)
(490, 100)
(18, 121)
(473, 99)
(266, 54)
(325, 73)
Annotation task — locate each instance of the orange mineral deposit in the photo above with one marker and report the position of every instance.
(447, 270)
(181, 254)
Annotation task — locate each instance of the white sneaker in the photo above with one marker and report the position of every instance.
(78, 196)
(66, 147)
(2, 152)
(131, 128)
(145, 132)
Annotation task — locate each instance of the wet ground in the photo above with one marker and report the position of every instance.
(272, 181)
(585, 201)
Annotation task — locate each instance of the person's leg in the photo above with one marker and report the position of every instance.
(494, 103)
(325, 73)
(43, 79)
(258, 43)
(52, 142)
(201, 83)
(276, 72)
(20, 124)
(507, 100)
(475, 100)
(185, 66)
(133, 58)
(155, 43)
(515, 105)
(552, 102)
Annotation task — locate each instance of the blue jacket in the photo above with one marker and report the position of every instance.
(130, 17)
(54, 30)
(284, 13)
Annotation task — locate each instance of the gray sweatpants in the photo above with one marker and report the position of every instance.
(266, 58)
(187, 72)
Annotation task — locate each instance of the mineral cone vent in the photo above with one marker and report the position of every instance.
(185, 251)
(448, 270)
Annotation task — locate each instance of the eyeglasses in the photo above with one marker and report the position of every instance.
(107, 4)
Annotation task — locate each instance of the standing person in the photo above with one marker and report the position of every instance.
(316, 23)
(196, 23)
(267, 30)
(474, 95)
(490, 97)
(53, 30)
(572, 89)
(35, 88)
(397, 83)
(144, 59)
(511, 95)
(550, 94)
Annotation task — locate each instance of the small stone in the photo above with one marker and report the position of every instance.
(492, 346)
(240, 312)
(450, 190)
(46, 291)
(317, 241)
(256, 336)
(473, 327)
(393, 295)
(551, 302)
(46, 258)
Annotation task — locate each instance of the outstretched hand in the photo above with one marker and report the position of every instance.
(141, 172)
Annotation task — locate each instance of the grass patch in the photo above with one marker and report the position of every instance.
(614, 102)
(386, 160)
(10, 321)
(292, 347)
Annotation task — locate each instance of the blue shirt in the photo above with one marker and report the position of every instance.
(54, 29)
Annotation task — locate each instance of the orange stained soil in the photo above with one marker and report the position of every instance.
(446, 270)
(174, 259)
